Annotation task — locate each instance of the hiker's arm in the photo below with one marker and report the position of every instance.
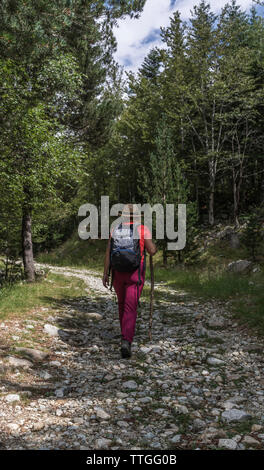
(150, 247)
(106, 265)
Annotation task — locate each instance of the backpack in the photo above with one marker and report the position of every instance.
(125, 253)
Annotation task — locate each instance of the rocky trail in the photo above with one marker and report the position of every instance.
(198, 384)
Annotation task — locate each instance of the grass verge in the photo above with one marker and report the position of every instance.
(20, 298)
(79, 253)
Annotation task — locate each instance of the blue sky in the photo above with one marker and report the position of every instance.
(136, 37)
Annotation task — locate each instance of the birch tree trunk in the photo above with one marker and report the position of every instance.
(27, 247)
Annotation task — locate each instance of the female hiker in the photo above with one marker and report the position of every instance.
(125, 257)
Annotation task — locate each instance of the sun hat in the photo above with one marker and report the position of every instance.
(130, 211)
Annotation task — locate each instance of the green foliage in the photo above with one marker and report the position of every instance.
(60, 94)
(188, 129)
(253, 234)
(163, 182)
(208, 82)
(150, 68)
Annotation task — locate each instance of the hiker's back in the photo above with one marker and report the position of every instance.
(125, 251)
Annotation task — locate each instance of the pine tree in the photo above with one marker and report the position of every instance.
(150, 68)
(163, 182)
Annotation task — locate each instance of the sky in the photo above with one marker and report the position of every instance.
(135, 37)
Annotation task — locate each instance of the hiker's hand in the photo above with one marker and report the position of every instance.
(106, 280)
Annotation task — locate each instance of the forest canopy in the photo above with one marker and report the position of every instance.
(74, 127)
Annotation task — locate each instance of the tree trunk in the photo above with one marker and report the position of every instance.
(236, 194)
(197, 190)
(211, 192)
(179, 256)
(235, 203)
(211, 206)
(164, 252)
(27, 248)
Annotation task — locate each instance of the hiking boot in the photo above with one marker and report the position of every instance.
(125, 349)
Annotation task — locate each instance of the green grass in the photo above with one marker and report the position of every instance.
(245, 292)
(206, 283)
(239, 428)
(21, 298)
(250, 309)
(78, 253)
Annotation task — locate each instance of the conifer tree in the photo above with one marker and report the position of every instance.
(163, 182)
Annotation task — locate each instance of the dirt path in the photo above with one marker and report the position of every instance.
(198, 384)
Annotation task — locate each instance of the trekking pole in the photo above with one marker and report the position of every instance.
(151, 296)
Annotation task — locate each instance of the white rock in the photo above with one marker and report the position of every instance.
(249, 440)
(256, 270)
(176, 438)
(33, 354)
(198, 424)
(44, 374)
(214, 361)
(55, 363)
(16, 362)
(216, 321)
(239, 266)
(227, 444)
(228, 405)
(38, 426)
(256, 428)
(93, 316)
(102, 443)
(181, 409)
(131, 384)
(12, 397)
(235, 415)
(145, 400)
(160, 411)
(145, 350)
(201, 331)
(51, 330)
(13, 426)
(100, 413)
(122, 424)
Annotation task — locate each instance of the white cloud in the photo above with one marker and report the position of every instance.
(132, 35)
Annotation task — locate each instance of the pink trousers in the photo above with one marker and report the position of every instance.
(125, 285)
